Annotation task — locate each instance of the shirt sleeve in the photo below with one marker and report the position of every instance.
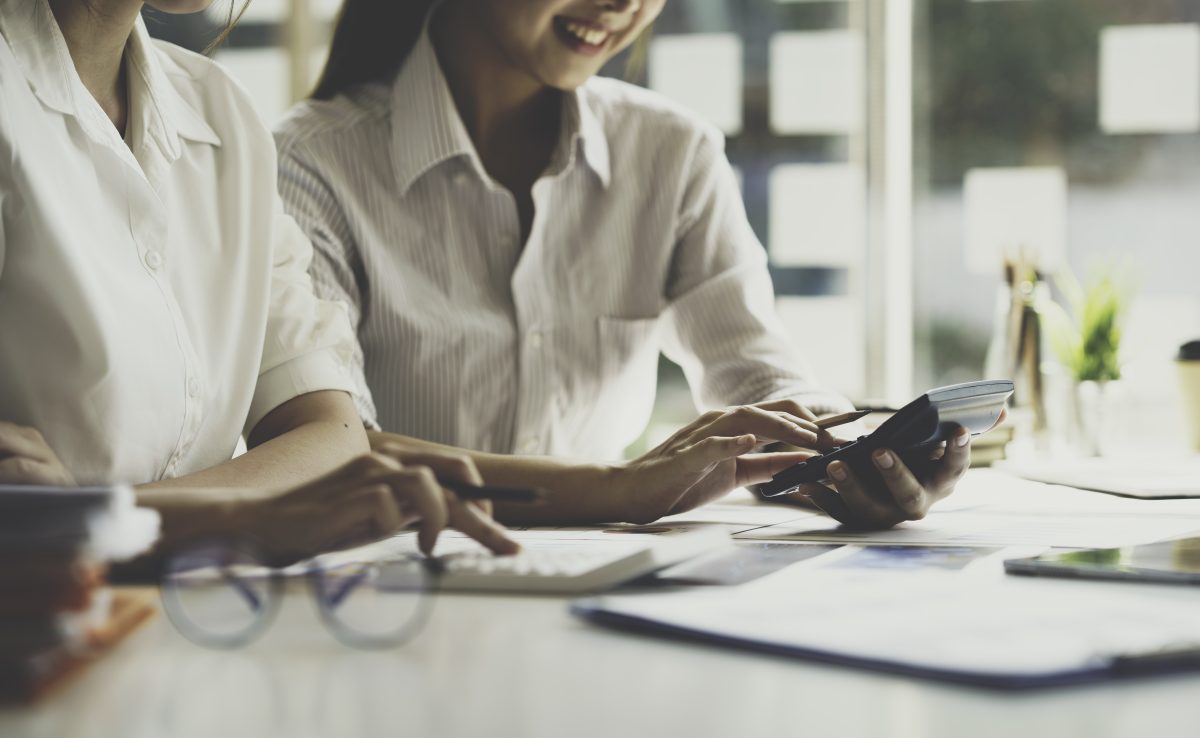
(722, 327)
(309, 340)
(336, 269)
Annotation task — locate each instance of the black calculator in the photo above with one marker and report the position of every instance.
(912, 433)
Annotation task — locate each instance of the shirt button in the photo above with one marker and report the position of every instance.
(153, 260)
(193, 387)
(535, 340)
(531, 445)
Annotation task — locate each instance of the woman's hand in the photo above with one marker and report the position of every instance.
(857, 504)
(903, 496)
(473, 517)
(712, 456)
(369, 498)
(26, 458)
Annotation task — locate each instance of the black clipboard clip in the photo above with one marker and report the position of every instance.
(1171, 658)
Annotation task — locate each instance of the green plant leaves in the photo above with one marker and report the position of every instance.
(1087, 340)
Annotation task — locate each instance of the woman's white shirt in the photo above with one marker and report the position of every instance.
(154, 297)
(469, 337)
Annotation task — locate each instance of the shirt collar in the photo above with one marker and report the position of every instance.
(427, 129)
(40, 50)
(38, 45)
(586, 133)
(165, 115)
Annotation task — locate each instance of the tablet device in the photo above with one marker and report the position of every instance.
(1168, 562)
(913, 433)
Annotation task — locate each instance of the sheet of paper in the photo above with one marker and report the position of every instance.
(1015, 210)
(817, 82)
(953, 621)
(995, 528)
(991, 508)
(818, 215)
(993, 489)
(702, 72)
(1150, 78)
(1147, 478)
(745, 562)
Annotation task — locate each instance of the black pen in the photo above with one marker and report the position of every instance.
(499, 494)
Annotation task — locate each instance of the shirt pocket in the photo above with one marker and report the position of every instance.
(627, 368)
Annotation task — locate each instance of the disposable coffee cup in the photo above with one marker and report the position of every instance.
(1188, 362)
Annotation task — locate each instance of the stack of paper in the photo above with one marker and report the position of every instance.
(55, 545)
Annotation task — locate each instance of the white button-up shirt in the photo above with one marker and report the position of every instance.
(639, 242)
(154, 298)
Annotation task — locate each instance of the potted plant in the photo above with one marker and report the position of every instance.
(1087, 340)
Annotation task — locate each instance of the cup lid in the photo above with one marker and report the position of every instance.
(1189, 351)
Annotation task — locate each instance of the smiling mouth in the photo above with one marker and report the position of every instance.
(584, 37)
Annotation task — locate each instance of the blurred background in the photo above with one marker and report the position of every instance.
(894, 154)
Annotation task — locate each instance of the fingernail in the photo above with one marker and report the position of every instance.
(962, 439)
(837, 472)
(746, 440)
(884, 460)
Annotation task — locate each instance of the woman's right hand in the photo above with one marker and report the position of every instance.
(711, 457)
(369, 498)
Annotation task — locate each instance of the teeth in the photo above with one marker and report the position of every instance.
(586, 34)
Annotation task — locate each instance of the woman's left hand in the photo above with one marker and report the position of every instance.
(904, 496)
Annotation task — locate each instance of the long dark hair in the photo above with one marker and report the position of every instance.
(370, 43)
(374, 37)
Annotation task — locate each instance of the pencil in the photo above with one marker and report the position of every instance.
(834, 421)
(499, 494)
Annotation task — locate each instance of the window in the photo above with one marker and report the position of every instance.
(1068, 128)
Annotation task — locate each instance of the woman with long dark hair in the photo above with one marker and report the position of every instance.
(516, 238)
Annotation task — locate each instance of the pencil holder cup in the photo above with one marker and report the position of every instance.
(1188, 364)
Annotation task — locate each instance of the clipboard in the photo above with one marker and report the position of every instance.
(1019, 657)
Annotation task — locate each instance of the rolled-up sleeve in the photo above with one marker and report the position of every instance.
(723, 329)
(336, 269)
(309, 340)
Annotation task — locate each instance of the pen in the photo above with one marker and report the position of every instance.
(499, 494)
(834, 421)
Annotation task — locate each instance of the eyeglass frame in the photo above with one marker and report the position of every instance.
(276, 580)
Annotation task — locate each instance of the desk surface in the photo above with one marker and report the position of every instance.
(523, 667)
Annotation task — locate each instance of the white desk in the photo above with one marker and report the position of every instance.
(523, 667)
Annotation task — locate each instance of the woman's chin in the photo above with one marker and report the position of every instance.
(180, 6)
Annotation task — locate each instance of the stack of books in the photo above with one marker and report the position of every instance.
(56, 615)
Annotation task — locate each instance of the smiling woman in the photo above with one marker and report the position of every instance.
(517, 239)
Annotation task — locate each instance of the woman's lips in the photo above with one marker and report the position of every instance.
(582, 36)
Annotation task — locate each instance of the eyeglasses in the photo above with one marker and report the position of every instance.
(219, 594)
